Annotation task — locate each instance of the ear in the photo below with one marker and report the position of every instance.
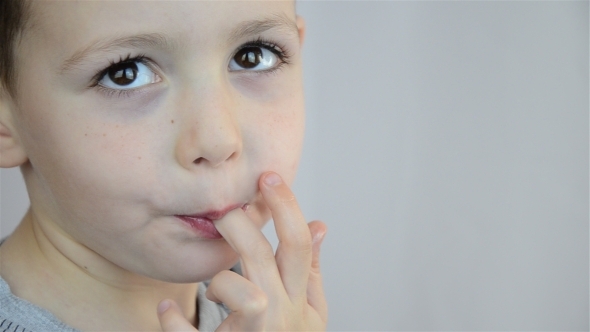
(301, 27)
(12, 153)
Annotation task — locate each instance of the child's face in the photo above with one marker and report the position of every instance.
(184, 127)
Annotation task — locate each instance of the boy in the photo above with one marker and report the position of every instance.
(150, 135)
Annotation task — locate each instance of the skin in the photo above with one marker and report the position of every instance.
(107, 172)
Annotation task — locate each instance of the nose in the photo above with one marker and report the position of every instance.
(210, 128)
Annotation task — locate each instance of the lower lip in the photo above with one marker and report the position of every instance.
(203, 226)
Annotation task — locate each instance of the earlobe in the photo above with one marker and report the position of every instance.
(12, 153)
(301, 28)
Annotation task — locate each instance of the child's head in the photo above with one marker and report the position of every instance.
(123, 115)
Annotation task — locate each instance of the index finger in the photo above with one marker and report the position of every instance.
(256, 253)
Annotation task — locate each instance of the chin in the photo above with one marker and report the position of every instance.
(198, 262)
(186, 274)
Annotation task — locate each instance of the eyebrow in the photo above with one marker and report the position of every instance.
(142, 41)
(162, 42)
(255, 27)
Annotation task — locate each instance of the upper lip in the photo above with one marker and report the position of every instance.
(213, 214)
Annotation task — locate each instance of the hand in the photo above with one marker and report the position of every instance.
(281, 292)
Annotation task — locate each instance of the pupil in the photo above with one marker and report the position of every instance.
(248, 57)
(123, 73)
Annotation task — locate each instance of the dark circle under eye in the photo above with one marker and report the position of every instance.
(248, 57)
(123, 73)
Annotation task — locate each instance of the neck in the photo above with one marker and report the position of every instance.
(81, 288)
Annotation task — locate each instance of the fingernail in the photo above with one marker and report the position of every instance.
(318, 238)
(316, 246)
(272, 179)
(163, 306)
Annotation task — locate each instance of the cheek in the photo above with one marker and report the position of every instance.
(275, 122)
(78, 158)
(94, 144)
(277, 138)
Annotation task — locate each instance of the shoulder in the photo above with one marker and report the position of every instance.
(19, 315)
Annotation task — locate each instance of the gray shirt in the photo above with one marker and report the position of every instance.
(19, 315)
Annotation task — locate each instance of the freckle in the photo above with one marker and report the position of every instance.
(171, 121)
(138, 157)
(104, 134)
(85, 134)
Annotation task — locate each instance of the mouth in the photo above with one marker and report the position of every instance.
(202, 223)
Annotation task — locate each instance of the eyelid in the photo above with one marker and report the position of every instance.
(116, 93)
(141, 58)
(125, 93)
(279, 49)
(270, 45)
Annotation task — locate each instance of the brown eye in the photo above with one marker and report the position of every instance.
(248, 57)
(255, 58)
(123, 73)
(127, 75)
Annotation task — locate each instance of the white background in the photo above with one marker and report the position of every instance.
(447, 150)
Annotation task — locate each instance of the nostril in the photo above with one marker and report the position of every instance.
(214, 162)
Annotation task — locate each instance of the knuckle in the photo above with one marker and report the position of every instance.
(255, 302)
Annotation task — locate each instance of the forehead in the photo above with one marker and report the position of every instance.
(63, 26)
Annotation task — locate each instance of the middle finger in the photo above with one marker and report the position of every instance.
(294, 251)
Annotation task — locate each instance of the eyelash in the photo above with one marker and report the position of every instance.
(141, 58)
(279, 50)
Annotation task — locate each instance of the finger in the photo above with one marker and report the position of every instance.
(294, 249)
(247, 302)
(256, 253)
(171, 318)
(315, 288)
